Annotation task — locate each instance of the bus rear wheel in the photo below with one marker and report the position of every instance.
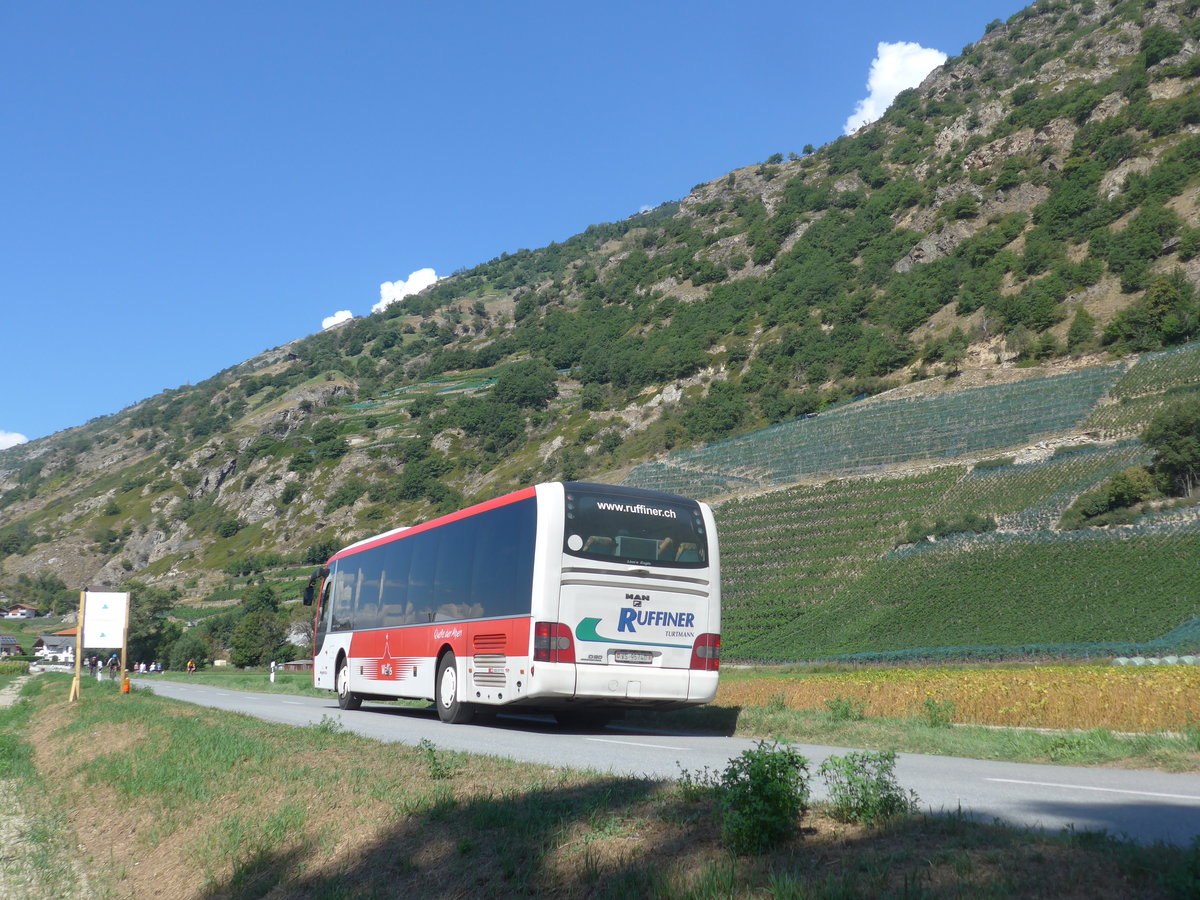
(450, 707)
(346, 700)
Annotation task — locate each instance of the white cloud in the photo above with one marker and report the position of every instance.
(895, 68)
(342, 315)
(391, 291)
(11, 439)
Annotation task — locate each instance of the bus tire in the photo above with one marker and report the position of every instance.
(346, 700)
(450, 707)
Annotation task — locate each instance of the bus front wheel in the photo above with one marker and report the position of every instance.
(346, 700)
(450, 707)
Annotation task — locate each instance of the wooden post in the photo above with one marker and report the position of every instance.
(76, 691)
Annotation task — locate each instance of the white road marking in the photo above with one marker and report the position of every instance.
(634, 744)
(1082, 787)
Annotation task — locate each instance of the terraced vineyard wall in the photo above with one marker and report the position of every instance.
(822, 570)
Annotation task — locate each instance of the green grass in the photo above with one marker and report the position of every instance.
(238, 808)
(38, 862)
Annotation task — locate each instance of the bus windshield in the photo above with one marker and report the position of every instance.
(661, 530)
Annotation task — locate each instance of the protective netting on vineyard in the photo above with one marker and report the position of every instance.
(1140, 392)
(867, 436)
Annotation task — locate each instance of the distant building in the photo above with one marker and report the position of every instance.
(55, 646)
(21, 611)
(9, 646)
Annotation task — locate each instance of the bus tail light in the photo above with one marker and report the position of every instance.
(706, 653)
(552, 643)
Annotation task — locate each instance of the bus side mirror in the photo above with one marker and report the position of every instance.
(310, 589)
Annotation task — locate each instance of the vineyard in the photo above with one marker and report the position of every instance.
(873, 434)
(824, 570)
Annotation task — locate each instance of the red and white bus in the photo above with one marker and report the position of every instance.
(580, 600)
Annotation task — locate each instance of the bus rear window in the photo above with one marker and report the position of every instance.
(657, 530)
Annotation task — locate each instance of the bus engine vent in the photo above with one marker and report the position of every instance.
(494, 643)
(489, 669)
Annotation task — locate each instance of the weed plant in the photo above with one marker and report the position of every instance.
(938, 713)
(846, 709)
(763, 795)
(863, 788)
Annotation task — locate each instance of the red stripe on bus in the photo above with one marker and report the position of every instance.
(498, 502)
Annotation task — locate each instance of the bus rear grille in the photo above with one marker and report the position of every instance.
(486, 642)
(489, 669)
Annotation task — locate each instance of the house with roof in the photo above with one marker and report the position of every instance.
(57, 647)
(21, 611)
(9, 646)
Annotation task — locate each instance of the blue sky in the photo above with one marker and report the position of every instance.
(186, 185)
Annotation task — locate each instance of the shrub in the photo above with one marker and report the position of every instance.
(863, 788)
(846, 709)
(938, 713)
(762, 796)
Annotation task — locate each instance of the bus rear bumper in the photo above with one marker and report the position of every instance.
(622, 686)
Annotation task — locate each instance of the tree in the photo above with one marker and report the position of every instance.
(1082, 332)
(529, 383)
(257, 639)
(261, 598)
(188, 646)
(150, 628)
(1173, 437)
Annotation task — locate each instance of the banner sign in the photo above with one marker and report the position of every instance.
(104, 618)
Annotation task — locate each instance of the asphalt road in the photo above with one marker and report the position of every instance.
(1146, 806)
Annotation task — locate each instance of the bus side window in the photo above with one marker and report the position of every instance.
(687, 553)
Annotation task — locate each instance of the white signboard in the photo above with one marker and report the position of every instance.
(104, 619)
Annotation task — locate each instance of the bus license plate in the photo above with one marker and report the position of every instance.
(633, 656)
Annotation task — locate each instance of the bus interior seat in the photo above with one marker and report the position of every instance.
(599, 544)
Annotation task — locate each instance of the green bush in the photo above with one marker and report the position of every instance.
(846, 709)
(762, 796)
(862, 787)
(938, 713)
(14, 667)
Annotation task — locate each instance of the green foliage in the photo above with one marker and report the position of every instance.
(439, 766)
(1167, 314)
(1158, 43)
(968, 523)
(762, 797)
(1082, 333)
(151, 630)
(1173, 437)
(318, 553)
(1110, 503)
(257, 639)
(863, 788)
(227, 528)
(188, 646)
(528, 384)
(347, 493)
(846, 709)
(716, 414)
(938, 713)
